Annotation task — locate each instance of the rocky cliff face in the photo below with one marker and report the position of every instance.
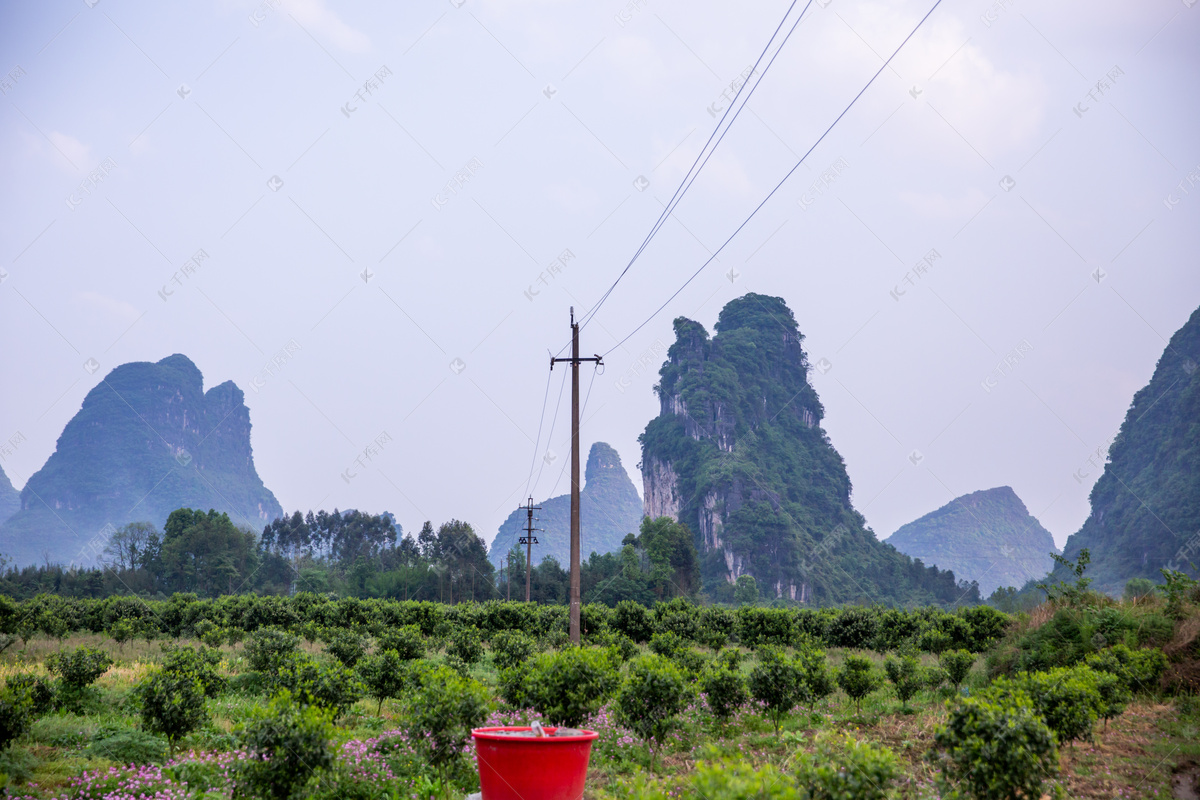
(147, 440)
(609, 508)
(1146, 504)
(10, 500)
(737, 453)
(988, 537)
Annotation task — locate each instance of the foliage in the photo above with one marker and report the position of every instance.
(957, 664)
(1137, 588)
(288, 743)
(858, 678)
(332, 687)
(347, 646)
(1176, 586)
(384, 676)
(41, 693)
(724, 689)
(745, 590)
(172, 704)
(466, 644)
(16, 712)
(269, 649)
(441, 714)
(511, 648)
(815, 672)
(652, 696)
(568, 686)
(996, 748)
(201, 665)
(128, 746)
(1139, 670)
(845, 769)
(1066, 697)
(777, 682)
(906, 676)
(406, 641)
(79, 668)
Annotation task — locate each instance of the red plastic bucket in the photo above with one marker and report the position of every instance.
(530, 767)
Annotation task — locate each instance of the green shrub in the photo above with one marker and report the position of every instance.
(845, 769)
(906, 676)
(568, 686)
(934, 640)
(626, 648)
(199, 664)
(269, 649)
(42, 694)
(957, 664)
(122, 631)
(816, 674)
(996, 749)
(667, 644)
(128, 747)
(172, 705)
(1137, 588)
(1067, 698)
(329, 686)
(1114, 695)
(634, 620)
(853, 628)
(652, 696)
(716, 627)
(80, 667)
(466, 644)
(384, 676)
(777, 682)
(1140, 670)
(288, 743)
(511, 648)
(858, 678)
(442, 713)
(15, 715)
(347, 646)
(724, 689)
(406, 641)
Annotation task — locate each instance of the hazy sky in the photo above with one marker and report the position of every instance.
(382, 191)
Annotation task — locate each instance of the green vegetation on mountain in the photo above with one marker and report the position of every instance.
(1146, 504)
(739, 456)
(609, 509)
(988, 537)
(10, 498)
(148, 440)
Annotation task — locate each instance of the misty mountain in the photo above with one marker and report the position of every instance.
(1146, 503)
(987, 536)
(10, 499)
(738, 454)
(147, 440)
(609, 508)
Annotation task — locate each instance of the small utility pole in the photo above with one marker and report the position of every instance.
(529, 540)
(575, 360)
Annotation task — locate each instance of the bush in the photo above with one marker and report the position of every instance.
(777, 682)
(724, 690)
(511, 648)
(1140, 670)
(347, 646)
(957, 664)
(329, 686)
(41, 693)
(269, 649)
(406, 641)
(172, 705)
(442, 713)
(1066, 697)
(199, 664)
(996, 749)
(853, 628)
(128, 747)
(466, 644)
(80, 667)
(15, 715)
(384, 676)
(845, 769)
(288, 743)
(653, 695)
(818, 678)
(906, 676)
(858, 679)
(634, 620)
(568, 686)
(667, 644)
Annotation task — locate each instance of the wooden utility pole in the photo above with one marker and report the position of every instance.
(529, 540)
(575, 360)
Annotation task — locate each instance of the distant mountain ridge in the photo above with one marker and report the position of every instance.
(1146, 503)
(987, 536)
(147, 440)
(609, 508)
(10, 498)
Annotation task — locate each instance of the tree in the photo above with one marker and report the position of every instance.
(385, 676)
(778, 683)
(268, 649)
(1066, 697)
(674, 564)
(996, 748)
(511, 648)
(206, 553)
(906, 676)
(745, 591)
(330, 686)
(127, 547)
(466, 644)
(817, 676)
(406, 640)
(16, 711)
(80, 667)
(568, 686)
(858, 679)
(957, 664)
(724, 689)
(288, 743)
(347, 646)
(172, 704)
(441, 714)
(653, 695)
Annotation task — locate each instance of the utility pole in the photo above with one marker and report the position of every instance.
(574, 360)
(529, 540)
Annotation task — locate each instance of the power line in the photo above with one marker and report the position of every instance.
(537, 443)
(706, 152)
(781, 182)
(550, 436)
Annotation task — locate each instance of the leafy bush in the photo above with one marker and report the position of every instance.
(15, 715)
(934, 640)
(1140, 670)
(511, 648)
(653, 695)
(716, 627)
(442, 713)
(172, 704)
(128, 747)
(466, 644)
(845, 769)
(634, 620)
(329, 686)
(347, 646)
(41, 693)
(777, 682)
(199, 664)
(906, 676)
(757, 626)
(1067, 698)
(406, 641)
(957, 664)
(270, 649)
(853, 628)
(80, 667)
(384, 676)
(858, 678)
(816, 674)
(724, 689)
(570, 685)
(667, 644)
(996, 748)
(288, 743)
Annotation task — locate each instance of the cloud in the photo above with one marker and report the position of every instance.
(72, 149)
(106, 306)
(313, 14)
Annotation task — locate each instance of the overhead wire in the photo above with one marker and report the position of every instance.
(770, 194)
(537, 443)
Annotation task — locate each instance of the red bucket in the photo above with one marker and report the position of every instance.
(547, 767)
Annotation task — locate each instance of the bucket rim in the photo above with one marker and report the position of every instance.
(496, 734)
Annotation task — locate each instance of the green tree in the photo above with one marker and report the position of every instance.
(745, 591)
(906, 676)
(441, 714)
(570, 685)
(288, 744)
(269, 649)
(511, 648)
(80, 667)
(406, 640)
(724, 689)
(466, 644)
(172, 704)
(957, 664)
(347, 646)
(330, 686)
(384, 675)
(206, 553)
(674, 564)
(652, 696)
(858, 678)
(777, 682)
(816, 674)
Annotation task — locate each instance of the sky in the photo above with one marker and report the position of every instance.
(397, 204)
